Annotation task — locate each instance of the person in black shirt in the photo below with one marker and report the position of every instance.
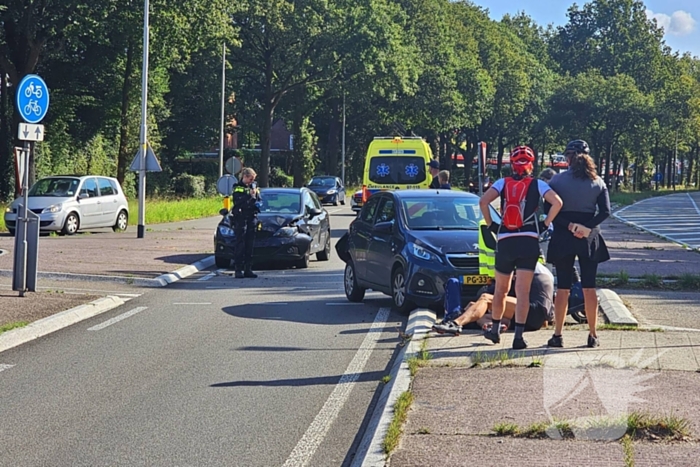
(245, 212)
(434, 166)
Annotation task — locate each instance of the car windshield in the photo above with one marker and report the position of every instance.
(328, 182)
(397, 170)
(442, 213)
(56, 187)
(280, 202)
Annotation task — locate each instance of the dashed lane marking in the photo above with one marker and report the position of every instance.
(116, 319)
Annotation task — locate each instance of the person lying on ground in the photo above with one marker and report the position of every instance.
(478, 313)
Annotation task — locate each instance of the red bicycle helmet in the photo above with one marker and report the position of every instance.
(522, 159)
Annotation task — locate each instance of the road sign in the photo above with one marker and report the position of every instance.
(225, 185)
(32, 98)
(658, 177)
(29, 132)
(233, 165)
(152, 164)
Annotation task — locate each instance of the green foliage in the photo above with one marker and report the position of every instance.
(189, 186)
(159, 211)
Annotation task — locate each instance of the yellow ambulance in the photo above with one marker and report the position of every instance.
(396, 163)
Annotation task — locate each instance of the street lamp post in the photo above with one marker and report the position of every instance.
(223, 103)
(342, 170)
(144, 129)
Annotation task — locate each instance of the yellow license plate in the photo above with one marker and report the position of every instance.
(475, 280)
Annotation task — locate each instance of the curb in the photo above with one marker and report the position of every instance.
(614, 308)
(160, 281)
(58, 321)
(2, 252)
(370, 452)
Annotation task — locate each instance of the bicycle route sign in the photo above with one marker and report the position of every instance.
(32, 99)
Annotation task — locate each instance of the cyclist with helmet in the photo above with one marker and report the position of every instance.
(577, 235)
(518, 243)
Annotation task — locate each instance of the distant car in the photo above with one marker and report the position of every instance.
(292, 227)
(409, 243)
(330, 190)
(67, 204)
(356, 201)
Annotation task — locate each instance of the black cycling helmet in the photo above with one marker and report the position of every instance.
(579, 146)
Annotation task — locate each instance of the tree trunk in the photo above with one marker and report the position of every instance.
(689, 169)
(123, 156)
(469, 154)
(334, 132)
(265, 143)
(298, 153)
(669, 169)
(6, 153)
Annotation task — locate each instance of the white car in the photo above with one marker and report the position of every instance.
(66, 204)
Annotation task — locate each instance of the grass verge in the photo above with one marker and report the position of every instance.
(11, 326)
(421, 358)
(160, 211)
(625, 198)
(393, 433)
(681, 282)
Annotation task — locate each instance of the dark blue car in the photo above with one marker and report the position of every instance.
(408, 243)
(329, 189)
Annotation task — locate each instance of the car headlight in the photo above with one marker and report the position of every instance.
(54, 208)
(422, 253)
(225, 231)
(8, 209)
(286, 232)
(332, 192)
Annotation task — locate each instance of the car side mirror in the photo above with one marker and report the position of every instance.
(313, 212)
(223, 211)
(83, 196)
(384, 227)
(495, 216)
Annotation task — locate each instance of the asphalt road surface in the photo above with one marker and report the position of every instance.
(675, 217)
(275, 371)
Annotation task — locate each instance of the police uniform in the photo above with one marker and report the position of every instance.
(245, 214)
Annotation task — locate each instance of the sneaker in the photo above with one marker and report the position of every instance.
(593, 342)
(492, 336)
(239, 275)
(519, 344)
(449, 318)
(448, 328)
(556, 341)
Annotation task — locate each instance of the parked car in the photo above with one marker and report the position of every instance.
(292, 226)
(356, 201)
(329, 189)
(409, 243)
(67, 204)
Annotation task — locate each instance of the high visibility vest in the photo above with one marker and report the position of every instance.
(487, 257)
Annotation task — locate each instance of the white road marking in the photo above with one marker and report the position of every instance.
(306, 447)
(695, 205)
(207, 277)
(4, 366)
(200, 303)
(116, 319)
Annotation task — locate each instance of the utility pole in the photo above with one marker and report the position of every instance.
(223, 104)
(144, 129)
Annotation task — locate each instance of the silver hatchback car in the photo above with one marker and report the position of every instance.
(66, 204)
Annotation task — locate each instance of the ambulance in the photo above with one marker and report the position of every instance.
(396, 163)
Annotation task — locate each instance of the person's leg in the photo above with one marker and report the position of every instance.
(524, 273)
(475, 310)
(249, 244)
(239, 248)
(453, 299)
(506, 255)
(589, 269)
(564, 268)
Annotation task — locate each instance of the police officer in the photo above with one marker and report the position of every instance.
(245, 211)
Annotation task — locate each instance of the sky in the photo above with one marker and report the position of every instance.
(679, 18)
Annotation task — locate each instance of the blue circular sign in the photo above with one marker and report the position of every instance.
(32, 99)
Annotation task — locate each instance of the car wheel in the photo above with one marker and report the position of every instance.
(303, 263)
(325, 254)
(335, 201)
(398, 292)
(353, 292)
(222, 262)
(70, 227)
(342, 202)
(122, 222)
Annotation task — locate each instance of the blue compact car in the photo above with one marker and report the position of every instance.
(409, 243)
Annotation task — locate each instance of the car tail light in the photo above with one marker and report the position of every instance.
(365, 193)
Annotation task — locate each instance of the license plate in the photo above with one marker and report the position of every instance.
(475, 280)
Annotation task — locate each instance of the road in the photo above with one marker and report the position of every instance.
(675, 217)
(275, 371)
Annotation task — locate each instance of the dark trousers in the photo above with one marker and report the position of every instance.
(244, 230)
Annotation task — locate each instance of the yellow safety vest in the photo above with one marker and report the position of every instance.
(487, 257)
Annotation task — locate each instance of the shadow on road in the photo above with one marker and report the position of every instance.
(372, 376)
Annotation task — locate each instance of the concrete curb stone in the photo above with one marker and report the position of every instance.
(370, 452)
(614, 308)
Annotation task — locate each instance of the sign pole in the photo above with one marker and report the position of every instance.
(482, 146)
(144, 129)
(223, 103)
(342, 176)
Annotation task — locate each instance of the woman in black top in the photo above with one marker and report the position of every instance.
(577, 235)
